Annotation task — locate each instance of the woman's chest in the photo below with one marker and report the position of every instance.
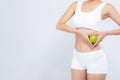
(86, 19)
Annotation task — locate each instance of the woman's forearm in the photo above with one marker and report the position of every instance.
(66, 28)
(113, 32)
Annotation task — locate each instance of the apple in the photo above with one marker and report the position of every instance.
(93, 39)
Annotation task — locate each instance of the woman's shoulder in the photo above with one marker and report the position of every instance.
(75, 2)
(108, 5)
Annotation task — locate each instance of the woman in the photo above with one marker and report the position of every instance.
(89, 60)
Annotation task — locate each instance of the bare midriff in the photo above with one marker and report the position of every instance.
(82, 45)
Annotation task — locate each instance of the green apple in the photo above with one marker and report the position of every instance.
(93, 39)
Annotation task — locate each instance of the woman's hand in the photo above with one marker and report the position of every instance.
(100, 35)
(84, 33)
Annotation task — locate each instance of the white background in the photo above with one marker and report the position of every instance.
(32, 49)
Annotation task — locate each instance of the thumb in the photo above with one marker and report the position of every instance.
(96, 43)
(89, 42)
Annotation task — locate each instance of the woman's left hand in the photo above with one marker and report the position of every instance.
(100, 36)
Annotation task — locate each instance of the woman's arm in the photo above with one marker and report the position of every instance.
(112, 13)
(115, 16)
(61, 25)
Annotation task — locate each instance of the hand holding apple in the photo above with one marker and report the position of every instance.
(84, 33)
(100, 36)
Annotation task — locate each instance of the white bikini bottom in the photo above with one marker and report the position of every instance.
(93, 62)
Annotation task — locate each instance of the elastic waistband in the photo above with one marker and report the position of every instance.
(91, 52)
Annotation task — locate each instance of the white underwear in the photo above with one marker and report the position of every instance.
(93, 62)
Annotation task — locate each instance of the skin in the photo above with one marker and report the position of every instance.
(82, 43)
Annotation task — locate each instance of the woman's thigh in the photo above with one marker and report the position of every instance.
(77, 74)
(96, 76)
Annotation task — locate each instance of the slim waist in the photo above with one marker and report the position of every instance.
(90, 52)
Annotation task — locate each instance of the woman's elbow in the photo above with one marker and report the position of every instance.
(59, 26)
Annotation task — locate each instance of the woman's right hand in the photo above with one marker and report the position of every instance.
(84, 33)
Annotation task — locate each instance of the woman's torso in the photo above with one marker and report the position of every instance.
(89, 21)
(83, 45)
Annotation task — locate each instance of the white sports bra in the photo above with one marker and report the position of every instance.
(88, 19)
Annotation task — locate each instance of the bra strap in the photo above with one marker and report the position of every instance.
(78, 7)
(101, 7)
